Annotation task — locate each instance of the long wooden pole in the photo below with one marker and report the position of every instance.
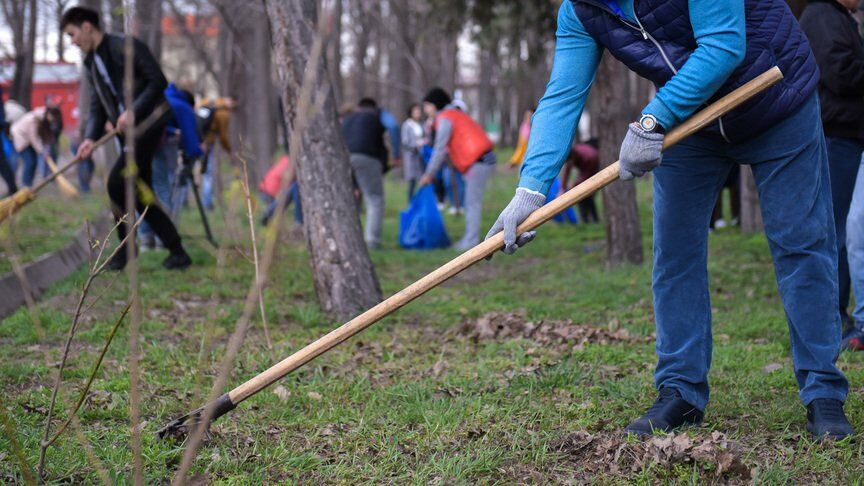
(228, 401)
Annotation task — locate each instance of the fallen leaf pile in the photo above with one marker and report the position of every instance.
(500, 326)
(613, 454)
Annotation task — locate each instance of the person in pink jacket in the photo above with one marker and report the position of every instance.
(32, 135)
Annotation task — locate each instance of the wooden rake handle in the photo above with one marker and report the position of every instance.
(228, 401)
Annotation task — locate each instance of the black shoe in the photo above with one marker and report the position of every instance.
(177, 260)
(669, 412)
(826, 419)
(117, 262)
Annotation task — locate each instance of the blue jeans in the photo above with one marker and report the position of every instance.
(449, 175)
(164, 163)
(790, 165)
(293, 197)
(844, 157)
(207, 179)
(85, 174)
(855, 245)
(27, 159)
(46, 171)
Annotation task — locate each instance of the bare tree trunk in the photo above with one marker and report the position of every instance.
(251, 83)
(334, 53)
(450, 62)
(623, 233)
(361, 47)
(118, 15)
(225, 56)
(486, 102)
(59, 8)
(398, 64)
(345, 280)
(148, 22)
(21, 18)
(751, 213)
(375, 18)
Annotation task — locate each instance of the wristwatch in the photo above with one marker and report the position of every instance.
(649, 123)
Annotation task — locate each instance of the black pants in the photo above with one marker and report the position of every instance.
(6, 173)
(733, 182)
(588, 210)
(145, 148)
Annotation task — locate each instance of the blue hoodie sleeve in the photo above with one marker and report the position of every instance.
(393, 131)
(718, 26)
(185, 121)
(553, 126)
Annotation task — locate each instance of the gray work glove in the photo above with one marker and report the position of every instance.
(521, 206)
(640, 152)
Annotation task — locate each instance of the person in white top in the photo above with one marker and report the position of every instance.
(413, 140)
(32, 134)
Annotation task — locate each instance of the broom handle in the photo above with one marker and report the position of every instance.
(55, 174)
(493, 244)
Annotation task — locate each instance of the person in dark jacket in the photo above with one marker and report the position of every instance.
(839, 51)
(695, 52)
(104, 68)
(364, 136)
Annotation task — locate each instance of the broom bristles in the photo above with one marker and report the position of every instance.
(13, 203)
(63, 183)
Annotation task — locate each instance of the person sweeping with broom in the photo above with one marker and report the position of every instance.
(104, 67)
(696, 51)
(32, 135)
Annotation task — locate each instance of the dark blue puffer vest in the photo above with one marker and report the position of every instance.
(773, 38)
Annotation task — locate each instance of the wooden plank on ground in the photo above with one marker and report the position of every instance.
(49, 268)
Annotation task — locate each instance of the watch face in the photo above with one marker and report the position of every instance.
(648, 123)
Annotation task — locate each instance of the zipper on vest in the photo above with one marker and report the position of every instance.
(722, 130)
(649, 37)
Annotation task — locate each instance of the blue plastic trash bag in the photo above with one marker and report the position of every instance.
(426, 153)
(569, 215)
(421, 226)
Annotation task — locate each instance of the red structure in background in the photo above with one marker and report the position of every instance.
(58, 82)
(207, 25)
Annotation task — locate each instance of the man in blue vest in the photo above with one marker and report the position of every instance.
(696, 51)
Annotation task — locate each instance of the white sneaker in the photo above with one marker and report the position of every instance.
(452, 210)
(441, 206)
(720, 224)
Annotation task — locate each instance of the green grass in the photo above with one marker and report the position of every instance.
(372, 410)
(47, 224)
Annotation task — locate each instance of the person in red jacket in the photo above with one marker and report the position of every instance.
(470, 150)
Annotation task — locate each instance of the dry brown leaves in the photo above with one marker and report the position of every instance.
(610, 453)
(501, 326)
